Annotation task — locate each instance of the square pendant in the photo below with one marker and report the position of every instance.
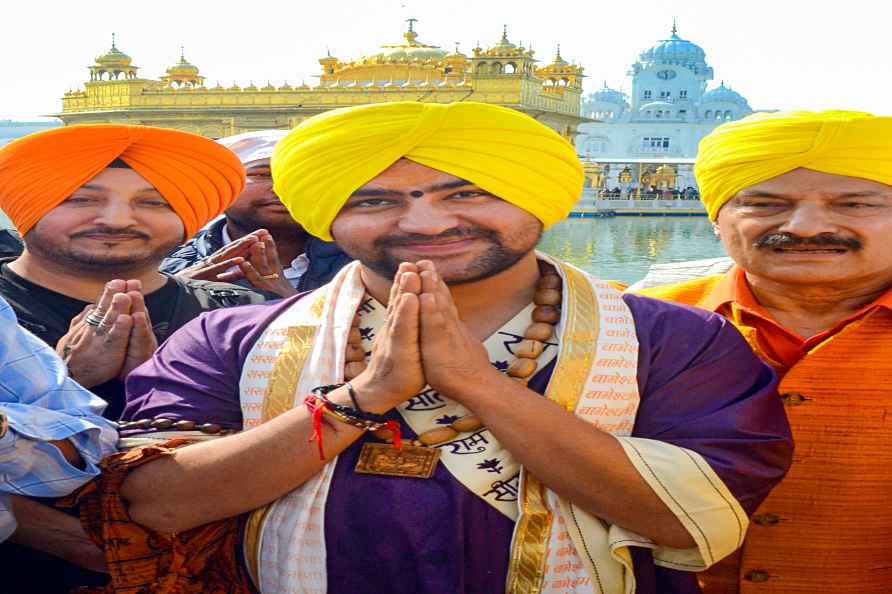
(409, 461)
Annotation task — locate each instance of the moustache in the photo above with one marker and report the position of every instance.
(109, 233)
(457, 233)
(784, 240)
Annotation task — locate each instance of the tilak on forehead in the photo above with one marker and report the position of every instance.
(762, 146)
(328, 157)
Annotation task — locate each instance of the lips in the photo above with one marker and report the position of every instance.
(437, 246)
(111, 238)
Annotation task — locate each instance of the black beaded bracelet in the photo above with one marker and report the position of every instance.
(356, 413)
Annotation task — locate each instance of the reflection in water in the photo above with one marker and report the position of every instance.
(623, 248)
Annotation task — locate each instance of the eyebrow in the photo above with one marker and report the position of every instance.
(98, 188)
(765, 194)
(450, 185)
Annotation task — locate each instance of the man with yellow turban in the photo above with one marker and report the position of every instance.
(98, 208)
(803, 204)
(454, 412)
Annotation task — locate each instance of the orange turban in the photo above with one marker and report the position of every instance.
(197, 176)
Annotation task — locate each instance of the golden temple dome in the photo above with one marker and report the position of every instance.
(504, 48)
(114, 56)
(183, 74)
(410, 51)
(183, 67)
(558, 60)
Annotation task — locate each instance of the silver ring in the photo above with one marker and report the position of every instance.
(94, 319)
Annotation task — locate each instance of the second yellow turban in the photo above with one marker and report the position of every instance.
(741, 154)
(329, 156)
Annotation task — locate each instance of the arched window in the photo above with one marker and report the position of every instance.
(728, 115)
(510, 68)
(482, 66)
(496, 68)
(708, 114)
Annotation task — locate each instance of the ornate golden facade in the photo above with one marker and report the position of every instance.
(504, 74)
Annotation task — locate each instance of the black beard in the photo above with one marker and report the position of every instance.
(786, 240)
(93, 262)
(493, 261)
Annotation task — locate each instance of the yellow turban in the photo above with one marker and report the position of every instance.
(328, 157)
(741, 154)
(197, 176)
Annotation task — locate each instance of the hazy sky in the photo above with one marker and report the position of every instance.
(778, 54)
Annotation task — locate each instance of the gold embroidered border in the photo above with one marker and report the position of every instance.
(285, 375)
(579, 342)
(279, 398)
(526, 568)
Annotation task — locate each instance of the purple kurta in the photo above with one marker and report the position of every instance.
(701, 388)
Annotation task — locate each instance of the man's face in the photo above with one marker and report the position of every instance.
(808, 227)
(257, 207)
(411, 212)
(116, 222)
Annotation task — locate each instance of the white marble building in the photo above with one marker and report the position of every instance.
(667, 113)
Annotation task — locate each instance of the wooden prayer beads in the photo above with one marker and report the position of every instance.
(545, 315)
(444, 433)
(164, 424)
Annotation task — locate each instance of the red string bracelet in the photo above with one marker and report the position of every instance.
(319, 405)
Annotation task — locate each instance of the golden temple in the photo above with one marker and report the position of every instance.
(503, 74)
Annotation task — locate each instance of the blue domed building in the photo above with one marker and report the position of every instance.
(661, 121)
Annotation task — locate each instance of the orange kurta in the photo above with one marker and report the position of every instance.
(827, 527)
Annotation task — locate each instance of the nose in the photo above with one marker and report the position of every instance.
(117, 214)
(809, 219)
(423, 217)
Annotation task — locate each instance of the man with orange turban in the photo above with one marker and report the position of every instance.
(484, 418)
(803, 204)
(98, 208)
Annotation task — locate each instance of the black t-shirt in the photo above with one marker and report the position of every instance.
(31, 301)
(47, 314)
